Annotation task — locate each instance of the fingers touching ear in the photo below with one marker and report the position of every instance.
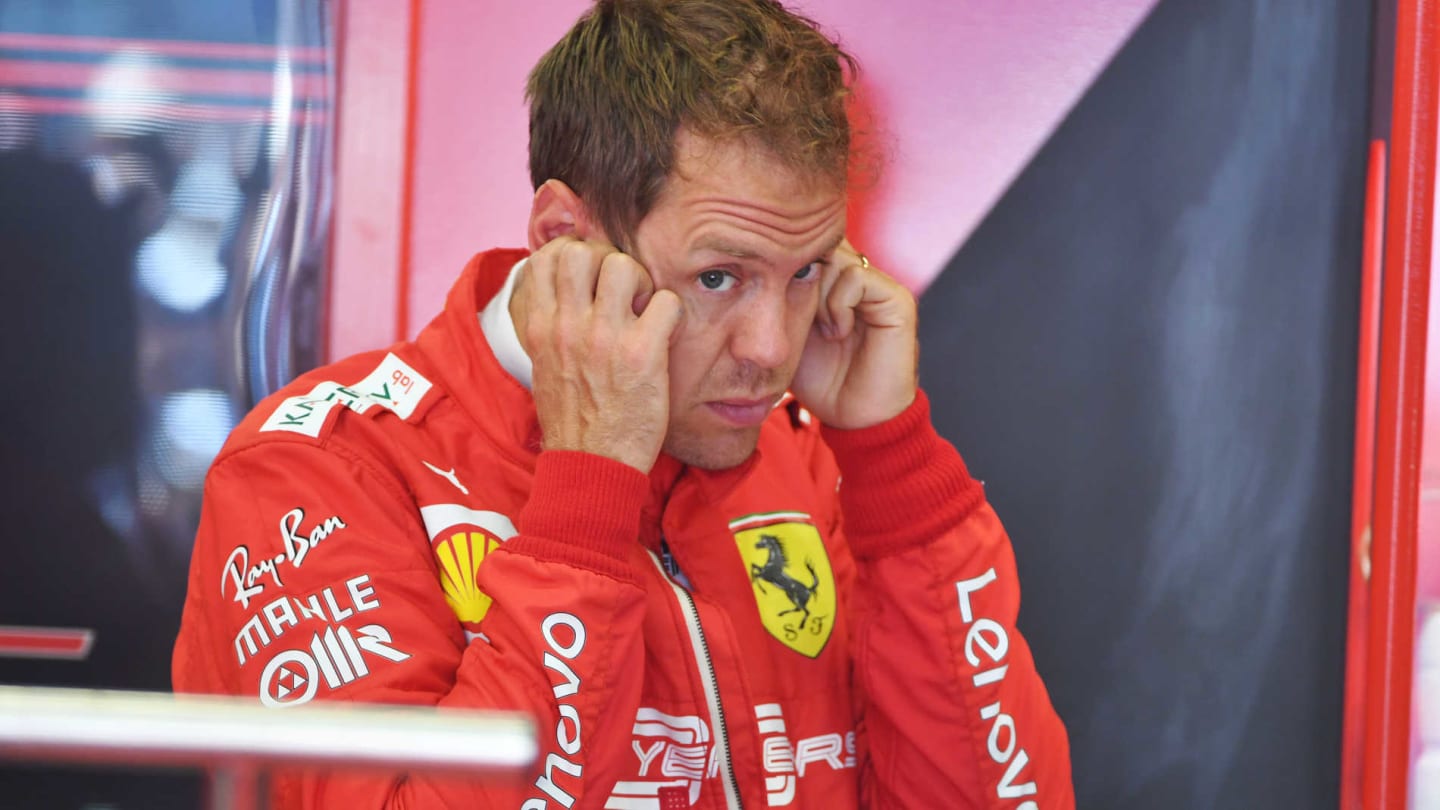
(558, 211)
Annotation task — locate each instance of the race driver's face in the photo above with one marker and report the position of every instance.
(740, 238)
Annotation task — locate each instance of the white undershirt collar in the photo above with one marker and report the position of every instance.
(499, 330)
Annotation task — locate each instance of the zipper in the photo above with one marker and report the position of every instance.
(707, 672)
(667, 560)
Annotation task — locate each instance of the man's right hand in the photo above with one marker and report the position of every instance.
(598, 333)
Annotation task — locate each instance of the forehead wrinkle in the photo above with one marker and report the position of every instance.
(770, 219)
(719, 244)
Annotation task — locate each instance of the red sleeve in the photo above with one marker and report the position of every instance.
(953, 713)
(313, 579)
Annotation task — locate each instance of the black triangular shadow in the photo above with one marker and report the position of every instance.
(1147, 351)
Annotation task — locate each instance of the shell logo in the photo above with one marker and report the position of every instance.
(462, 538)
(460, 557)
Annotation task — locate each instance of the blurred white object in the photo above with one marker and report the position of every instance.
(1427, 681)
(125, 98)
(94, 725)
(180, 265)
(237, 739)
(189, 431)
(1425, 781)
(115, 176)
(206, 190)
(1427, 647)
(17, 124)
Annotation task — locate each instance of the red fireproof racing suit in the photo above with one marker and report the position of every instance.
(386, 530)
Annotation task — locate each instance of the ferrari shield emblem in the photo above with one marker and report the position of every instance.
(790, 571)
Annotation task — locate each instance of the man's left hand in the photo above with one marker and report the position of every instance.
(859, 367)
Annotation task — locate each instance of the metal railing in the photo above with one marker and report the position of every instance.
(238, 742)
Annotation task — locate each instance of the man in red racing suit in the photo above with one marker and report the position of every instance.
(796, 601)
(378, 498)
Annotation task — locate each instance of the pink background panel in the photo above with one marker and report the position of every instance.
(1427, 563)
(964, 94)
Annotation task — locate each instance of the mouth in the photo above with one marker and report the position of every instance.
(741, 412)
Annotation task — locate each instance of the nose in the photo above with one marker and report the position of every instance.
(759, 335)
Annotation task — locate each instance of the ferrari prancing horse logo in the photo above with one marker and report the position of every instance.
(794, 586)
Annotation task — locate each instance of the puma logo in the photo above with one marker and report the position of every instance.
(448, 475)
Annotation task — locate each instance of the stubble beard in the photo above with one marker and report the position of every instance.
(720, 450)
(714, 445)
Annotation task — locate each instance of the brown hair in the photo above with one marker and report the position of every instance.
(607, 100)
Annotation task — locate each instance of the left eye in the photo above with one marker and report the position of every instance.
(807, 271)
(716, 280)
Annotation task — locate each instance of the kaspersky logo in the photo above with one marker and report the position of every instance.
(794, 585)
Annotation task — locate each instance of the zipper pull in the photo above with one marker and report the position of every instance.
(672, 568)
(667, 560)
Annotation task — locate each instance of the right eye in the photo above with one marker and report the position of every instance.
(717, 280)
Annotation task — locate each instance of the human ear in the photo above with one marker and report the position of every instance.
(558, 211)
